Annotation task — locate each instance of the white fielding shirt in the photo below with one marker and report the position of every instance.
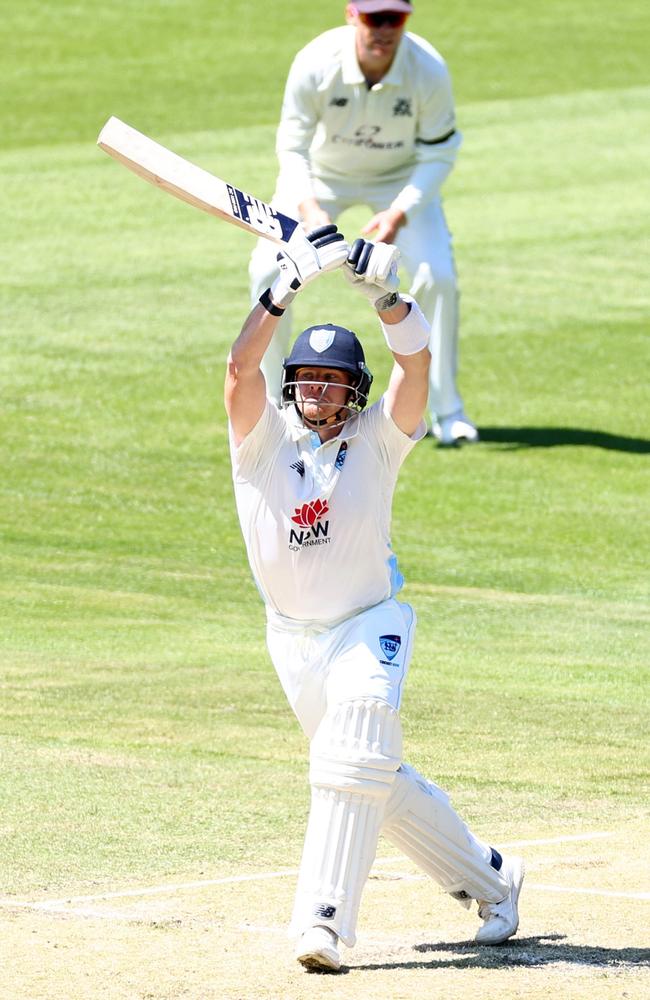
(316, 517)
(333, 126)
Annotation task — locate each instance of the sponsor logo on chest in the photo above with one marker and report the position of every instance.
(368, 137)
(311, 528)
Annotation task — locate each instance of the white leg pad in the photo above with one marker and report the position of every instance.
(420, 820)
(354, 756)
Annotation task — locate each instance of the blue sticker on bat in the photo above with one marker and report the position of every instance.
(261, 216)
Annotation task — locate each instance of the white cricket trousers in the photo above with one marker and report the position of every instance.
(320, 666)
(427, 257)
(330, 675)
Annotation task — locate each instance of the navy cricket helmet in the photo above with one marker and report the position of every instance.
(328, 346)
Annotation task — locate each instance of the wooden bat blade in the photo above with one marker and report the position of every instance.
(165, 169)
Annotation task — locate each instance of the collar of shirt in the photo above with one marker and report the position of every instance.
(351, 72)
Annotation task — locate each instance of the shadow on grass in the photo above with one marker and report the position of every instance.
(553, 437)
(521, 952)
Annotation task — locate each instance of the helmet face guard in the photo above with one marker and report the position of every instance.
(329, 346)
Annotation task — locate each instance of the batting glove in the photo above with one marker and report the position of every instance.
(371, 268)
(324, 249)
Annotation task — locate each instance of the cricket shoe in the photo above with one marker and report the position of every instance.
(455, 429)
(501, 920)
(317, 950)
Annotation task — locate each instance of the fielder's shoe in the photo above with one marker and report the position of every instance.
(501, 920)
(455, 429)
(317, 950)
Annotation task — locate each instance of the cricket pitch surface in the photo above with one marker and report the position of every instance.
(584, 935)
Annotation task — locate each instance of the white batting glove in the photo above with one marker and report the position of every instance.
(371, 268)
(324, 249)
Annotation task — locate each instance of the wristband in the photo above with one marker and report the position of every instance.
(411, 334)
(269, 304)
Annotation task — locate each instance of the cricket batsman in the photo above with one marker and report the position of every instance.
(313, 484)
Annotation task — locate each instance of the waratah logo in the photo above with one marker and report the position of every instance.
(307, 515)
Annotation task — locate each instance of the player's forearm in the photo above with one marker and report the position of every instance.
(250, 346)
(292, 144)
(407, 337)
(408, 390)
(312, 215)
(428, 175)
(245, 388)
(294, 179)
(423, 186)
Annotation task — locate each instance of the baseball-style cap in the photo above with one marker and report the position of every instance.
(374, 6)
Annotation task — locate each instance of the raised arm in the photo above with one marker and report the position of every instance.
(372, 269)
(407, 335)
(245, 389)
(322, 250)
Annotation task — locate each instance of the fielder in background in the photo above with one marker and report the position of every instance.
(368, 118)
(314, 483)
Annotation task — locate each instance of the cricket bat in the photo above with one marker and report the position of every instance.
(165, 169)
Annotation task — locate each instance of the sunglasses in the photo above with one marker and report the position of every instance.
(390, 18)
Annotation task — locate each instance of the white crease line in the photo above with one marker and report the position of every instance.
(84, 911)
(158, 890)
(155, 890)
(559, 840)
(541, 887)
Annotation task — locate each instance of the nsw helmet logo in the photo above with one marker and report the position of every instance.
(390, 645)
(320, 340)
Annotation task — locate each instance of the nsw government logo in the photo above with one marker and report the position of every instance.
(314, 530)
(390, 645)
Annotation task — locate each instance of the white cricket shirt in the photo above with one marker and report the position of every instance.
(334, 126)
(316, 517)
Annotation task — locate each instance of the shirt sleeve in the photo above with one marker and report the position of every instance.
(296, 130)
(260, 446)
(381, 430)
(437, 140)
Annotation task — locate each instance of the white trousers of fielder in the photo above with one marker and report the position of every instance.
(345, 684)
(427, 256)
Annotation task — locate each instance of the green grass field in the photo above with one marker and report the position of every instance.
(143, 735)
